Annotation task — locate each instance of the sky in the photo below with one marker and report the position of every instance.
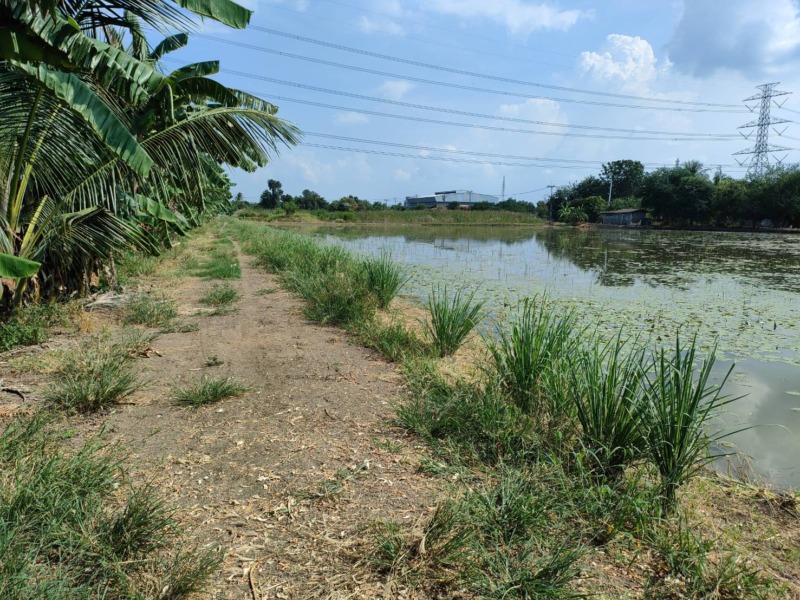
(411, 97)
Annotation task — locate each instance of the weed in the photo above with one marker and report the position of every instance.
(332, 487)
(151, 311)
(384, 277)
(335, 296)
(221, 262)
(134, 264)
(214, 361)
(537, 343)
(452, 318)
(31, 326)
(388, 446)
(680, 403)
(220, 295)
(96, 377)
(395, 341)
(607, 385)
(181, 327)
(210, 390)
(266, 291)
(71, 531)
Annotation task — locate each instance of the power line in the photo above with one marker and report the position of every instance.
(430, 40)
(439, 158)
(416, 63)
(571, 162)
(470, 88)
(478, 126)
(468, 113)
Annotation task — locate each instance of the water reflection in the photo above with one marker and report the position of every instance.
(741, 290)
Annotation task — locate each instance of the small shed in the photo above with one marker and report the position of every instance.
(632, 217)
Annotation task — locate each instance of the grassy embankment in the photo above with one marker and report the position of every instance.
(73, 523)
(393, 217)
(577, 463)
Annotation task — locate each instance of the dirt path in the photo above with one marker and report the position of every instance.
(287, 479)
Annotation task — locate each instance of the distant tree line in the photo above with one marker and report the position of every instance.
(686, 194)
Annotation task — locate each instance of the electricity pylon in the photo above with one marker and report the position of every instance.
(762, 149)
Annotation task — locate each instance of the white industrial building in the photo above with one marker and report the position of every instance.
(463, 198)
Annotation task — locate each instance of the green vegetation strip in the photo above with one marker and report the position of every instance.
(72, 527)
(570, 447)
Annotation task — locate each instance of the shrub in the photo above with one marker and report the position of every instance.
(452, 318)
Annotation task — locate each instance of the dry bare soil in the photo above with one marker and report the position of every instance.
(286, 479)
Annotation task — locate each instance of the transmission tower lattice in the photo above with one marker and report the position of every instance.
(761, 151)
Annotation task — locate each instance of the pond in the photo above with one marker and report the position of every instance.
(740, 290)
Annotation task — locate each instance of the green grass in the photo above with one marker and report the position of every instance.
(331, 281)
(133, 265)
(607, 383)
(680, 402)
(97, 376)
(73, 528)
(209, 390)
(537, 344)
(155, 311)
(452, 318)
(384, 277)
(220, 261)
(31, 326)
(395, 341)
(220, 295)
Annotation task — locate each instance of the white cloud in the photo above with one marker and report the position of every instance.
(351, 118)
(753, 40)
(629, 61)
(395, 89)
(369, 25)
(519, 16)
(402, 175)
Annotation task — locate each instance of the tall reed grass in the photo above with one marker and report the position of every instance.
(384, 277)
(680, 403)
(607, 384)
(453, 317)
(538, 342)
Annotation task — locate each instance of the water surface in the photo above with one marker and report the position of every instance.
(739, 290)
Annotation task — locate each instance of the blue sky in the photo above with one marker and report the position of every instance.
(684, 67)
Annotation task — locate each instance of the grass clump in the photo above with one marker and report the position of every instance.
(210, 390)
(395, 341)
(680, 402)
(384, 277)
(607, 383)
(151, 311)
(134, 264)
(453, 317)
(220, 295)
(72, 528)
(96, 377)
(31, 326)
(220, 262)
(538, 343)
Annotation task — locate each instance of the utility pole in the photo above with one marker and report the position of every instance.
(610, 186)
(503, 193)
(762, 149)
(550, 202)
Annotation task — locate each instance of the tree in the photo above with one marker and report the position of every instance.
(309, 200)
(623, 176)
(271, 197)
(99, 150)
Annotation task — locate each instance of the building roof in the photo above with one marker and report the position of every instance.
(623, 211)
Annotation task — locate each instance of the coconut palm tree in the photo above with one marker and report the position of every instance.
(91, 132)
